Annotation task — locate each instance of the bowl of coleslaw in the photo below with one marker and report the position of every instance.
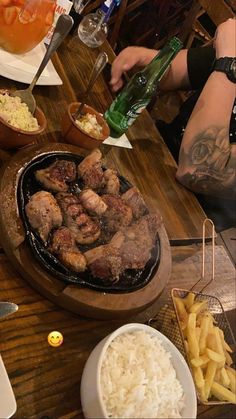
(88, 131)
(18, 127)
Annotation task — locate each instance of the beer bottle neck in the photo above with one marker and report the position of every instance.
(157, 67)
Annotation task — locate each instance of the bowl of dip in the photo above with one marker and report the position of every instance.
(18, 127)
(88, 131)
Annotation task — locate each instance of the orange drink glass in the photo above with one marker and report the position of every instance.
(24, 23)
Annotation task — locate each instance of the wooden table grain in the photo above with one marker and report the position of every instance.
(46, 380)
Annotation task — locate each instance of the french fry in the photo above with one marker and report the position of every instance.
(228, 358)
(186, 345)
(215, 356)
(192, 321)
(193, 344)
(210, 376)
(224, 377)
(224, 343)
(189, 300)
(182, 313)
(203, 335)
(219, 346)
(232, 377)
(211, 342)
(198, 307)
(218, 376)
(191, 336)
(200, 362)
(202, 394)
(198, 332)
(222, 393)
(208, 352)
(198, 377)
(232, 370)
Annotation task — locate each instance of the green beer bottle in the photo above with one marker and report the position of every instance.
(139, 91)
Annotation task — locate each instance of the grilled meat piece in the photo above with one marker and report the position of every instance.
(118, 213)
(56, 176)
(105, 261)
(43, 213)
(112, 182)
(64, 247)
(66, 199)
(84, 229)
(139, 241)
(135, 201)
(129, 249)
(92, 202)
(90, 170)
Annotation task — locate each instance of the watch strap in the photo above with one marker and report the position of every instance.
(227, 65)
(223, 64)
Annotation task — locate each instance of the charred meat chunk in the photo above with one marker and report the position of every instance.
(129, 249)
(92, 202)
(43, 213)
(139, 239)
(112, 182)
(134, 199)
(57, 175)
(90, 170)
(85, 230)
(105, 261)
(64, 247)
(118, 213)
(66, 199)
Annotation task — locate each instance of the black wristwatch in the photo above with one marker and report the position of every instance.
(228, 66)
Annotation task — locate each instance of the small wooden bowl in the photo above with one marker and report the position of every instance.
(73, 134)
(12, 137)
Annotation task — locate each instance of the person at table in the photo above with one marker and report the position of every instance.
(207, 155)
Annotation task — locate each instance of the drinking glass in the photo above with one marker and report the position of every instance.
(79, 5)
(24, 23)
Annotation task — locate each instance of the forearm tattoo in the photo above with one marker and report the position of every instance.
(208, 166)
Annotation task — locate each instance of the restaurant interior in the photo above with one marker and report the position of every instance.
(117, 209)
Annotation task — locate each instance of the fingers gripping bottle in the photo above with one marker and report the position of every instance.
(140, 89)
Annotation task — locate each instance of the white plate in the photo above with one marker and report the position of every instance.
(22, 67)
(7, 398)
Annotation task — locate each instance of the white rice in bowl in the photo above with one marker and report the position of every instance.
(138, 379)
(16, 113)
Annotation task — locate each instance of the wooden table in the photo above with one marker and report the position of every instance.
(149, 165)
(46, 380)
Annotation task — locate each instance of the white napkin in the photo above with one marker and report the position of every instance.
(118, 142)
(29, 62)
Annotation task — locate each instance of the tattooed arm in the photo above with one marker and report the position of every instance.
(207, 160)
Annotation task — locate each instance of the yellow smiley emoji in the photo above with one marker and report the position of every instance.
(55, 339)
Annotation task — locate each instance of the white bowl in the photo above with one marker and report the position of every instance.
(90, 390)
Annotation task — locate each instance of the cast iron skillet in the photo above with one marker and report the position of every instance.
(129, 281)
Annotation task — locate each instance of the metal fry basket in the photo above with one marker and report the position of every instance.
(168, 321)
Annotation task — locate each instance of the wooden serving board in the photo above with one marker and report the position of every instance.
(80, 300)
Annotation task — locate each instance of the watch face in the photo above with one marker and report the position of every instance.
(233, 68)
(228, 66)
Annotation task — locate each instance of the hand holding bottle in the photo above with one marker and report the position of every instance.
(140, 89)
(127, 59)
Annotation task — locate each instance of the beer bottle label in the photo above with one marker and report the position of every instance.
(135, 111)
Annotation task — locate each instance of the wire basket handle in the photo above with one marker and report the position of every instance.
(203, 254)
